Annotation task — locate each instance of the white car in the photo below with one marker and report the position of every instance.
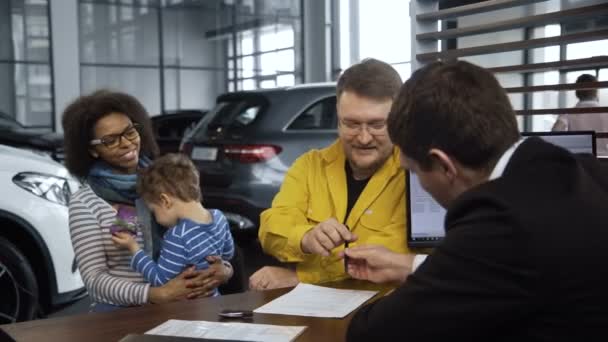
(37, 266)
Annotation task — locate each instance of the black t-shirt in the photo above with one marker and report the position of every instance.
(354, 188)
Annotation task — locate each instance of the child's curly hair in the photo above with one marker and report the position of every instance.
(173, 174)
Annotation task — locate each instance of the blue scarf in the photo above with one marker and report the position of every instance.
(121, 188)
(115, 187)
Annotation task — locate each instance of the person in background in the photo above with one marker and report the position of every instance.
(170, 188)
(587, 98)
(524, 255)
(352, 191)
(108, 138)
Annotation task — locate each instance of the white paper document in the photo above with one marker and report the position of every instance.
(317, 301)
(228, 331)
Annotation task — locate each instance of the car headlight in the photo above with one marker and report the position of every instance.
(51, 188)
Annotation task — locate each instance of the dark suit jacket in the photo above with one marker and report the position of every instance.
(525, 257)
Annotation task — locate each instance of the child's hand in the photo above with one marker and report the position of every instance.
(125, 240)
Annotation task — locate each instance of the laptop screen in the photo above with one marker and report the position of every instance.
(425, 216)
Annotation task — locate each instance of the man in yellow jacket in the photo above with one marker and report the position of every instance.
(351, 191)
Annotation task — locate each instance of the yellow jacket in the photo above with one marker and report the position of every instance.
(313, 191)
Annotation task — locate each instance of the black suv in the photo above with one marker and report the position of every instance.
(244, 146)
(170, 127)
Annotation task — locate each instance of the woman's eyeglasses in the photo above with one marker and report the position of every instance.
(131, 133)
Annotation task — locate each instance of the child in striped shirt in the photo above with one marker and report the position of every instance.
(170, 188)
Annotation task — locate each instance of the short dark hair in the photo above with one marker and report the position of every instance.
(370, 78)
(457, 107)
(79, 120)
(586, 94)
(173, 174)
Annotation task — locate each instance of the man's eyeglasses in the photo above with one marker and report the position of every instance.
(354, 128)
(131, 133)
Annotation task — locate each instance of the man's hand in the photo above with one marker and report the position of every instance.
(125, 240)
(378, 264)
(326, 236)
(270, 277)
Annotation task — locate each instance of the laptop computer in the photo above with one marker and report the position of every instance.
(425, 217)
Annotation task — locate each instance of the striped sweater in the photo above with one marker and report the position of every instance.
(187, 243)
(105, 268)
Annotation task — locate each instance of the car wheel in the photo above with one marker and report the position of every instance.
(18, 285)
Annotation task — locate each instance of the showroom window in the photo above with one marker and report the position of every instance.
(177, 55)
(25, 63)
(367, 26)
(572, 51)
(264, 46)
(119, 49)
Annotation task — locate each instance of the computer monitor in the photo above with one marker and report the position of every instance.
(425, 217)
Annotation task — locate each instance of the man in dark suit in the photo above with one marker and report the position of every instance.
(526, 248)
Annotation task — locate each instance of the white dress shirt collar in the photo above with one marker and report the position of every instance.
(504, 160)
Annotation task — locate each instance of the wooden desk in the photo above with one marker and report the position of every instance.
(113, 326)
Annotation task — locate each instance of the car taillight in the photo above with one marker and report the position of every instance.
(186, 149)
(251, 153)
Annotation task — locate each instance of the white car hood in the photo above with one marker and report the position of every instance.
(22, 160)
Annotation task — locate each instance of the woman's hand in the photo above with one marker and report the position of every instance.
(224, 270)
(192, 283)
(175, 289)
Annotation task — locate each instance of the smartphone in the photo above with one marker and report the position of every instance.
(229, 313)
